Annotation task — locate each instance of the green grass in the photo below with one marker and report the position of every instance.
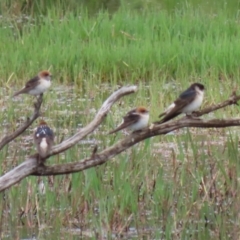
(181, 186)
(128, 46)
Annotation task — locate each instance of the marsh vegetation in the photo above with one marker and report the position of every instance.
(183, 185)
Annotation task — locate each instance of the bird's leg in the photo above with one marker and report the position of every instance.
(94, 152)
(136, 131)
(39, 101)
(40, 161)
(192, 116)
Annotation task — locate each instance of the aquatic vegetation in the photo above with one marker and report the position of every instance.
(182, 185)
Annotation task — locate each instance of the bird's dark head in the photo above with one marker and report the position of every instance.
(198, 85)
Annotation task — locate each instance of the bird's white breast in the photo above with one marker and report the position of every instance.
(195, 104)
(142, 123)
(44, 145)
(41, 87)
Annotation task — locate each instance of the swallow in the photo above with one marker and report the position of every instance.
(135, 120)
(43, 139)
(188, 101)
(37, 85)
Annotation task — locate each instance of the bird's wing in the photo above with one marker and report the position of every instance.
(39, 134)
(184, 99)
(43, 132)
(28, 86)
(32, 82)
(188, 94)
(128, 120)
(50, 138)
(169, 108)
(37, 139)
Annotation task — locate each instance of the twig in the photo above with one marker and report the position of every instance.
(6, 139)
(232, 100)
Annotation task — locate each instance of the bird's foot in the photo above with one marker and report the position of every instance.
(39, 99)
(137, 131)
(40, 161)
(193, 116)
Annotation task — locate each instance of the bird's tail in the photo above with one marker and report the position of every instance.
(113, 131)
(117, 129)
(159, 122)
(17, 93)
(162, 114)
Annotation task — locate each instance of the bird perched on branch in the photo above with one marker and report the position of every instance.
(188, 101)
(37, 85)
(135, 120)
(44, 139)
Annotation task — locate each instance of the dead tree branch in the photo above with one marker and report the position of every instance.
(131, 140)
(7, 139)
(30, 166)
(102, 113)
(18, 173)
(233, 99)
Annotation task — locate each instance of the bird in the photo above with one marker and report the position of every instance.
(43, 139)
(188, 101)
(135, 120)
(37, 85)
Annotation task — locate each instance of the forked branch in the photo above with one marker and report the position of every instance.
(102, 113)
(30, 165)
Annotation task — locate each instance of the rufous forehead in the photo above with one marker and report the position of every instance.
(142, 110)
(45, 73)
(42, 122)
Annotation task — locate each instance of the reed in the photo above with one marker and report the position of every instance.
(182, 185)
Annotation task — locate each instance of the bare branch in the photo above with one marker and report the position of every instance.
(131, 140)
(18, 173)
(232, 100)
(95, 122)
(30, 166)
(6, 139)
